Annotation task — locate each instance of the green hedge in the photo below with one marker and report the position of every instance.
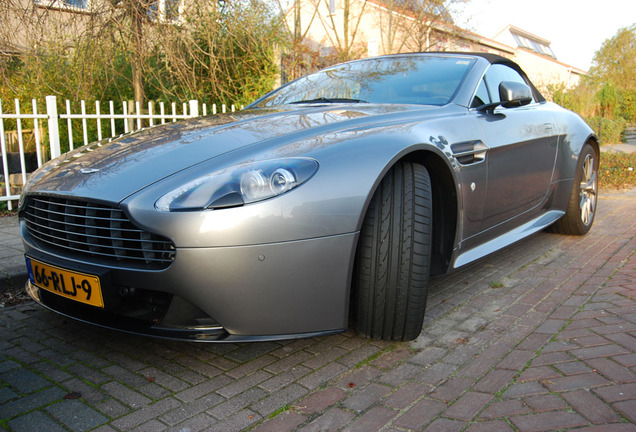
(608, 130)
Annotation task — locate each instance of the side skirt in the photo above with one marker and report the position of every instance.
(508, 238)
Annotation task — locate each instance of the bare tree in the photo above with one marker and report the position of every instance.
(342, 33)
(416, 25)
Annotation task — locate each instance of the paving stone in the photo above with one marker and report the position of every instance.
(7, 394)
(428, 356)
(524, 389)
(477, 343)
(599, 351)
(28, 403)
(590, 407)
(279, 399)
(112, 408)
(573, 368)
(285, 421)
(400, 374)
(494, 381)
(362, 398)
(374, 419)
(506, 408)
(126, 395)
(322, 375)
(490, 426)
(358, 377)
(285, 378)
(237, 422)
(331, 419)
(237, 403)
(24, 381)
(33, 421)
(544, 403)
(199, 423)
(320, 400)
(627, 408)
(452, 389)
(90, 394)
(574, 382)
(617, 392)
(612, 370)
(467, 406)
(548, 421)
(445, 425)
(202, 389)
(191, 409)
(145, 414)
(87, 374)
(406, 395)
(539, 373)
(287, 362)
(243, 384)
(436, 374)
(8, 365)
(151, 426)
(76, 415)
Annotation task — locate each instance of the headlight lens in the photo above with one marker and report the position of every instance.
(238, 185)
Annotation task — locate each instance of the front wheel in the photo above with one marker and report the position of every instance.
(581, 210)
(393, 256)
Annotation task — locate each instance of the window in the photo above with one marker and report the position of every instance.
(481, 97)
(533, 45)
(80, 4)
(165, 10)
(372, 48)
(498, 73)
(63, 4)
(429, 80)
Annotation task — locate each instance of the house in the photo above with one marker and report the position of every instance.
(347, 29)
(28, 23)
(536, 57)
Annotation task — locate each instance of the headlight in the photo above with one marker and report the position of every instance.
(238, 185)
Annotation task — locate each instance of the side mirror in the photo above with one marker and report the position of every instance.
(514, 94)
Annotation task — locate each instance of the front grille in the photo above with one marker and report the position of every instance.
(97, 231)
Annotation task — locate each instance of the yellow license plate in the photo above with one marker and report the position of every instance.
(72, 285)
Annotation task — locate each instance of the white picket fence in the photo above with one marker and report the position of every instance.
(51, 120)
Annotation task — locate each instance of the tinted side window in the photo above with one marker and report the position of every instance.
(498, 73)
(481, 97)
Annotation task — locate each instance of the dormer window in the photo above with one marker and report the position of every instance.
(165, 10)
(533, 44)
(332, 6)
(71, 5)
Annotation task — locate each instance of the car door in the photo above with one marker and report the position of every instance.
(522, 144)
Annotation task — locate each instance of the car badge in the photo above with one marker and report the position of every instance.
(88, 170)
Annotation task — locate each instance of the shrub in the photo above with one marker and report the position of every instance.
(617, 171)
(609, 131)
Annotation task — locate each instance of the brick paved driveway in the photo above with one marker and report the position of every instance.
(541, 336)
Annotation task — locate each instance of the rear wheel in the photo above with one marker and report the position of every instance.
(393, 257)
(581, 210)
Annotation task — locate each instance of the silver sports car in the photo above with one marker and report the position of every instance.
(332, 198)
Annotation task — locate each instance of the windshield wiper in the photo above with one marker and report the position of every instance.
(328, 100)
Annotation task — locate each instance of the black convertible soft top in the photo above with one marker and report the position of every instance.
(497, 59)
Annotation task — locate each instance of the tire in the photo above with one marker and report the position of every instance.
(393, 256)
(581, 209)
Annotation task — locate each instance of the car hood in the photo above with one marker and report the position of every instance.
(116, 168)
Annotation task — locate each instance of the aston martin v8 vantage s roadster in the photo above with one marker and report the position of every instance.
(335, 196)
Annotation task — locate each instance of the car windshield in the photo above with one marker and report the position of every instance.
(425, 80)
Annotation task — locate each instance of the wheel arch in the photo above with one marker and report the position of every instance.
(445, 208)
(445, 204)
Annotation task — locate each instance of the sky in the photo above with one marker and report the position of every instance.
(576, 28)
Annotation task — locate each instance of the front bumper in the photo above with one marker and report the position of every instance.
(227, 294)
